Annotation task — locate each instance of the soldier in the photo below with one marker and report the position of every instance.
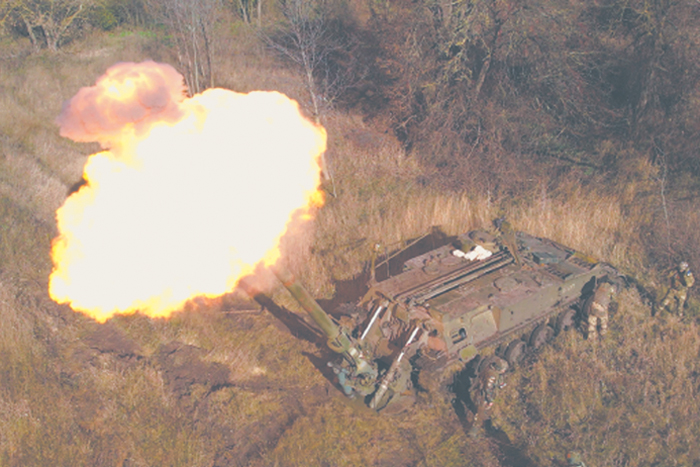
(681, 280)
(596, 310)
(493, 380)
(484, 391)
(508, 238)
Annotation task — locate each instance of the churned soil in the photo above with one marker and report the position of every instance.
(182, 366)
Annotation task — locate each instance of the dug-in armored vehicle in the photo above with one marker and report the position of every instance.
(506, 294)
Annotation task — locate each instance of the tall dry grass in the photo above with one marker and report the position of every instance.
(383, 198)
(626, 402)
(629, 400)
(67, 398)
(589, 221)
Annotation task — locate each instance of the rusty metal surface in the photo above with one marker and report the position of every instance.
(480, 302)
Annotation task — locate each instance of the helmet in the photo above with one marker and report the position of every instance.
(683, 266)
(499, 365)
(574, 458)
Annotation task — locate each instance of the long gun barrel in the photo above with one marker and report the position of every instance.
(338, 339)
(307, 302)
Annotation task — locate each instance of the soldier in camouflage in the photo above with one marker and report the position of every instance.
(493, 380)
(681, 280)
(485, 389)
(596, 310)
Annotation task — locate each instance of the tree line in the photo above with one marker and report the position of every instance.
(529, 76)
(507, 96)
(493, 95)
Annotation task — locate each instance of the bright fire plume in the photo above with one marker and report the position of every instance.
(189, 195)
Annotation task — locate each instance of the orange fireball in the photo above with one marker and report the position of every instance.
(189, 195)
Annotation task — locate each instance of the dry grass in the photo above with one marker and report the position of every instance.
(593, 223)
(628, 401)
(382, 199)
(68, 400)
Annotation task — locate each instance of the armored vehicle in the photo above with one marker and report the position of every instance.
(503, 294)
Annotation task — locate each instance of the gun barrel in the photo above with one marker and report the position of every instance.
(338, 339)
(307, 301)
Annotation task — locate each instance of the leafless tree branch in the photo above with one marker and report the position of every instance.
(190, 22)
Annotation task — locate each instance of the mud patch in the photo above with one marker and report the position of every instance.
(107, 338)
(182, 366)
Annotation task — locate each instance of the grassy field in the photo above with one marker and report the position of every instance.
(225, 383)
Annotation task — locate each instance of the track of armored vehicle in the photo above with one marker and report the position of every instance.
(504, 294)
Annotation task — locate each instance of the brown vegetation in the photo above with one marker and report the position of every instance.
(580, 124)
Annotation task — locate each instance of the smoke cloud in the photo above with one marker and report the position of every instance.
(128, 97)
(191, 195)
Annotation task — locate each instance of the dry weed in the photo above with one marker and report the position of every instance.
(629, 401)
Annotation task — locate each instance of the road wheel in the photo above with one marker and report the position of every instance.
(566, 321)
(515, 352)
(541, 335)
(485, 362)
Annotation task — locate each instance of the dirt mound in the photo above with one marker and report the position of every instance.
(182, 366)
(109, 339)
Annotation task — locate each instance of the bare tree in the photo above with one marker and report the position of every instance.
(190, 23)
(130, 11)
(313, 41)
(48, 22)
(246, 8)
(243, 7)
(304, 41)
(5, 11)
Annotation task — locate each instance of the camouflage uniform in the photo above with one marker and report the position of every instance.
(485, 389)
(492, 380)
(681, 280)
(596, 310)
